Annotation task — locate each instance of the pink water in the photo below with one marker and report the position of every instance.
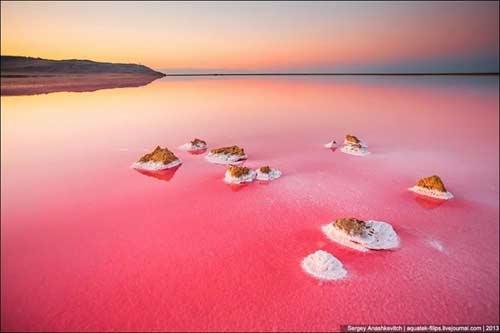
(90, 244)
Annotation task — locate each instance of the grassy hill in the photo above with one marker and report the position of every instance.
(29, 76)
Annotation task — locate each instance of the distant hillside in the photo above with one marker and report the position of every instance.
(30, 76)
(27, 66)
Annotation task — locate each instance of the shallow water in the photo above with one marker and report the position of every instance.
(91, 244)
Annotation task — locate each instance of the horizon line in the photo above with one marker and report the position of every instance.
(341, 74)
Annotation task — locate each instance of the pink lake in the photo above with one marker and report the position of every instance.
(88, 243)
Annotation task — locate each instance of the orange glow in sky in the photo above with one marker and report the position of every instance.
(256, 36)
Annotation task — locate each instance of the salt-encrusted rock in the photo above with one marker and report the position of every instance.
(267, 173)
(432, 182)
(324, 266)
(331, 144)
(354, 146)
(432, 187)
(362, 235)
(226, 155)
(351, 226)
(195, 145)
(354, 149)
(353, 140)
(158, 159)
(238, 174)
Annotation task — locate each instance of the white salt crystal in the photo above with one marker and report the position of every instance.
(155, 166)
(190, 147)
(356, 151)
(323, 265)
(225, 158)
(330, 145)
(274, 174)
(433, 193)
(248, 178)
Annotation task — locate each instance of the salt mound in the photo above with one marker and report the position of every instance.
(267, 173)
(331, 144)
(354, 146)
(158, 159)
(226, 155)
(224, 159)
(378, 235)
(194, 145)
(237, 175)
(430, 192)
(353, 140)
(432, 187)
(155, 166)
(323, 265)
(355, 150)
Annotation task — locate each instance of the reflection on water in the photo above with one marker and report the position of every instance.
(197, 152)
(165, 175)
(81, 232)
(70, 83)
(427, 202)
(238, 187)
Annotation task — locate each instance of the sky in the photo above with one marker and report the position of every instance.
(250, 37)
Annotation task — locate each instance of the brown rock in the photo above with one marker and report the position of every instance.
(265, 169)
(352, 139)
(159, 155)
(432, 182)
(197, 142)
(232, 150)
(351, 226)
(238, 171)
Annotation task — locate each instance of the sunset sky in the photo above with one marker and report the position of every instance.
(250, 36)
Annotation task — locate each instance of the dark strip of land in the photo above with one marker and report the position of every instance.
(18, 65)
(31, 76)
